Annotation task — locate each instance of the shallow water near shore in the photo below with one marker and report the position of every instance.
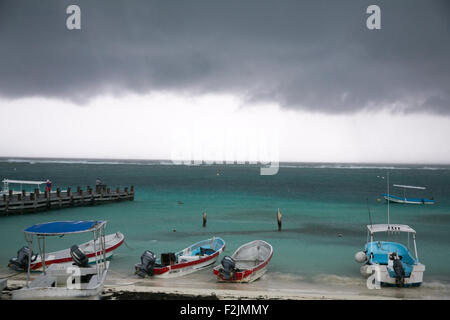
(324, 208)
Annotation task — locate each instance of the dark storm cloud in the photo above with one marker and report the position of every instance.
(314, 55)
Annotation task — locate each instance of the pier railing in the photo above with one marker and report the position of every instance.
(18, 203)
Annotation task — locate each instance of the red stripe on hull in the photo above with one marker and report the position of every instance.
(159, 271)
(238, 276)
(68, 259)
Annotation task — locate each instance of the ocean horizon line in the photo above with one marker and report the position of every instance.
(282, 164)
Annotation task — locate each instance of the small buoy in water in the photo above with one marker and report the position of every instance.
(340, 235)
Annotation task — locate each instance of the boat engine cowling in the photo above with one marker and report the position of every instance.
(229, 265)
(147, 265)
(78, 257)
(21, 261)
(360, 257)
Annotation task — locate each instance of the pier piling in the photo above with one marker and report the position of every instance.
(279, 219)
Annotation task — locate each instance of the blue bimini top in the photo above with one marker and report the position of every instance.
(58, 228)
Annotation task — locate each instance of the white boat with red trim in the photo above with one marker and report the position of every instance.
(248, 263)
(193, 258)
(70, 280)
(20, 263)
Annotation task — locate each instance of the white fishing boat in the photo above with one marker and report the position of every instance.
(193, 258)
(389, 260)
(20, 263)
(248, 263)
(76, 280)
(396, 265)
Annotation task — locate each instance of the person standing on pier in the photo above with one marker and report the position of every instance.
(48, 186)
(98, 182)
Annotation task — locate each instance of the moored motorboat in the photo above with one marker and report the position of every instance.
(407, 200)
(248, 263)
(20, 263)
(392, 262)
(193, 258)
(71, 280)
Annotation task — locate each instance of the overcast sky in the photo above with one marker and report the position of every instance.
(306, 80)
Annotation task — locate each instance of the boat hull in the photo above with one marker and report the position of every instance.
(113, 241)
(396, 199)
(3, 284)
(414, 280)
(177, 270)
(246, 272)
(187, 263)
(86, 292)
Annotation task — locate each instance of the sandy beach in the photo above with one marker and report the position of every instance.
(272, 286)
(132, 288)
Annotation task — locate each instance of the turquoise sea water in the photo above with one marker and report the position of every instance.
(318, 202)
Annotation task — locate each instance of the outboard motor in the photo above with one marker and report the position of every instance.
(21, 262)
(399, 271)
(78, 257)
(229, 266)
(147, 265)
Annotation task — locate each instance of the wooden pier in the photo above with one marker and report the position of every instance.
(19, 203)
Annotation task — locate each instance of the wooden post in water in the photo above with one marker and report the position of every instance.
(279, 219)
(204, 219)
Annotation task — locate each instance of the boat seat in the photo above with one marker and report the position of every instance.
(182, 259)
(247, 263)
(202, 251)
(43, 282)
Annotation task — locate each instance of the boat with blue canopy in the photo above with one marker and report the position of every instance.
(71, 280)
(390, 259)
(396, 265)
(407, 200)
